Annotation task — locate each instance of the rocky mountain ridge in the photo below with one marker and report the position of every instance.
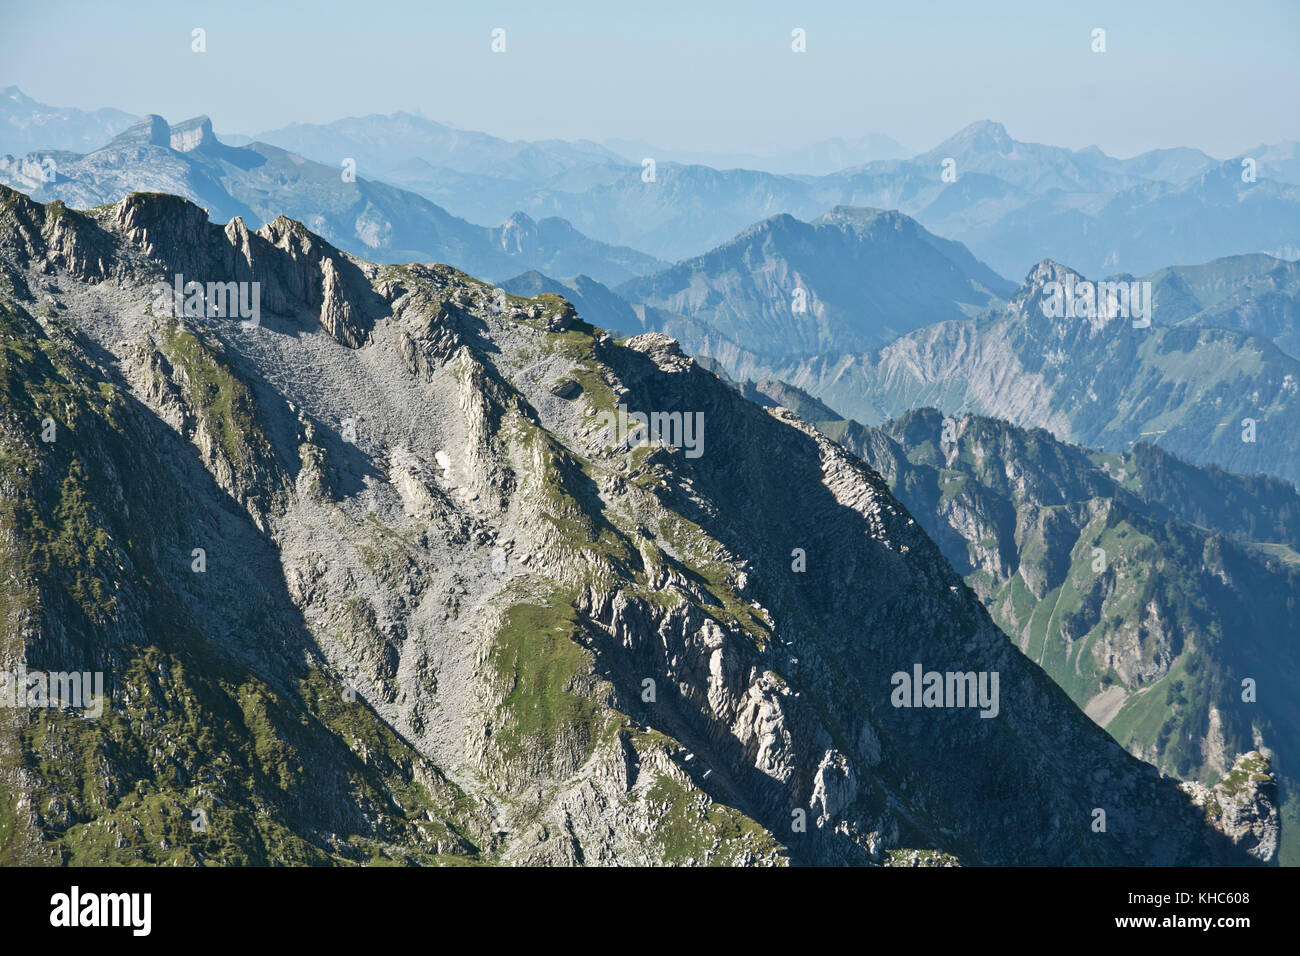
(365, 586)
(1156, 593)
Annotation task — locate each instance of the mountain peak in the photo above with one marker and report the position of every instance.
(857, 216)
(867, 275)
(191, 134)
(779, 222)
(983, 136)
(1046, 271)
(518, 234)
(151, 130)
(184, 137)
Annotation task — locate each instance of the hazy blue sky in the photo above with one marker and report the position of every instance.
(699, 75)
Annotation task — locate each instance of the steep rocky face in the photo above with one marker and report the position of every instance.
(363, 585)
(1243, 805)
(151, 130)
(192, 134)
(1146, 587)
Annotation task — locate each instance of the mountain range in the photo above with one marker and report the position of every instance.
(1207, 394)
(1011, 202)
(256, 182)
(1149, 589)
(816, 159)
(26, 125)
(401, 597)
(1256, 294)
(369, 581)
(1213, 379)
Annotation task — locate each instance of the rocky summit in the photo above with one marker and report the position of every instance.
(367, 580)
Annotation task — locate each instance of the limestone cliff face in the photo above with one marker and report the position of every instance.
(1244, 805)
(442, 615)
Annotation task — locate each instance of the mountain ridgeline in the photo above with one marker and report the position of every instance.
(339, 201)
(1011, 202)
(367, 581)
(1257, 294)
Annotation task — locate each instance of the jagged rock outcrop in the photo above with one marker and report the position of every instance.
(1244, 805)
